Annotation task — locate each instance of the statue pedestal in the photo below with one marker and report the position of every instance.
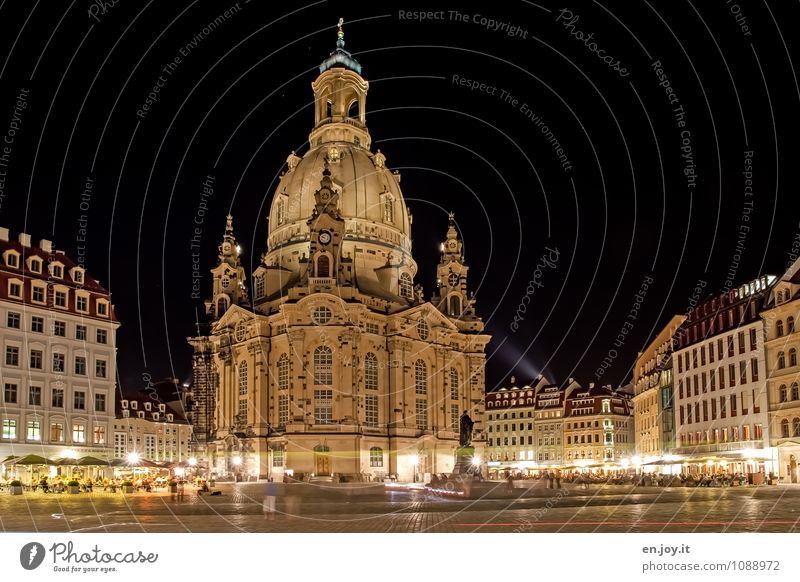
(463, 466)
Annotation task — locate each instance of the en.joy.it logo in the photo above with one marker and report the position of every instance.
(32, 555)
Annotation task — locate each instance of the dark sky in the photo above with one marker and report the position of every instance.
(636, 198)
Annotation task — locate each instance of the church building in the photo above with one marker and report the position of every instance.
(328, 359)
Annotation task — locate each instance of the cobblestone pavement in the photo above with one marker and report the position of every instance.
(239, 509)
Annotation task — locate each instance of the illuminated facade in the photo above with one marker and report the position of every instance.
(654, 413)
(329, 360)
(58, 365)
(720, 381)
(783, 381)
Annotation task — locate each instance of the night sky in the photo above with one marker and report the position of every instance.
(657, 107)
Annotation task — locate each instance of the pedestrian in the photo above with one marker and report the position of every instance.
(270, 495)
(181, 489)
(550, 478)
(173, 489)
(558, 478)
(510, 483)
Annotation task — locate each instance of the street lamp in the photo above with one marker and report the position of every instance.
(192, 461)
(415, 462)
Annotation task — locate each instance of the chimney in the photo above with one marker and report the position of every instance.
(46, 245)
(24, 239)
(3, 234)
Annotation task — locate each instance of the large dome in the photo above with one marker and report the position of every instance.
(370, 199)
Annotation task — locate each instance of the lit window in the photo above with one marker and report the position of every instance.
(371, 410)
(56, 432)
(243, 379)
(453, 384)
(99, 435)
(323, 406)
(78, 433)
(34, 431)
(283, 409)
(283, 372)
(422, 414)
(376, 457)
(9, 429)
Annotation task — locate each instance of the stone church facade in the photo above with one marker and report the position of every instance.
(328, 359)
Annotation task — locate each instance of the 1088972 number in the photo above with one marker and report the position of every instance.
(745, 565)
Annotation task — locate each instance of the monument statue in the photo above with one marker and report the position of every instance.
(465, 430)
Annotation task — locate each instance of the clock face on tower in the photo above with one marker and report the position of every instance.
(324, 237)
(451, 245)
(453, 279)
(325, 194)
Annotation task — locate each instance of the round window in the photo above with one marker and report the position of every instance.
(241, 331)
(321, 315)
(422, 329)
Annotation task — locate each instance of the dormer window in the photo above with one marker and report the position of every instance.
(102, 308)
(126, 413)
(77, 274)
(141, 414)
(12, 259)
(35, 265)
(57, 270)
(134, 404)
(156, 416)
(169, 417)
(162, 407)
(147, 406)
(124, 404)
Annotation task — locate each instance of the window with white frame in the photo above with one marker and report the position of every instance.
(323, 365)
(9, 429)
(38, 293)
(323, 406)
(283, 409)
(422, 414)
(34, 430)
(13, 320)
(100, 368)
(375, 457)
(60, 298)
(453, 384)
(371, 371)
(78, 433)
(371, 410)
(243, 379)
(82, 303)
(102, 308)
(406, 286)
(120, 444)
(420, 377)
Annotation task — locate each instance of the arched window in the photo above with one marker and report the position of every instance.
(222, 306)
(370, 371)
(453, 384)
(790, 324)
(780, 297)
(388, 208)
(420, 377)
(795, 392)
(455, 305)
(376, 457)
(781, 360)
(783, 393)
(785, 428)
(793, 357)
(405, 285)
(283, 372)
(323, 266)
(280, 210)
(243, 379)
(779, 328)
(259, 284)
(323, 365)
